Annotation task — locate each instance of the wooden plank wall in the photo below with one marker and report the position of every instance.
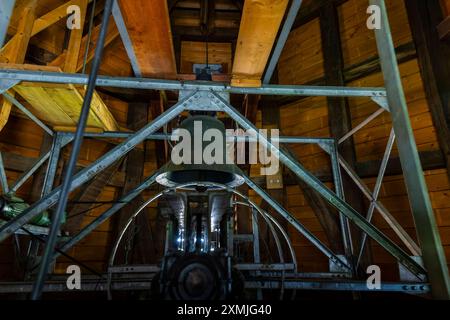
(302, 63)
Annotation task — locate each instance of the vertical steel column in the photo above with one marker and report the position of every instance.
(3, 179)
(339, 188)
(6, 10)
(59, 141)
(256, 251)
(66, 186)
(433, 252)
(323, 190)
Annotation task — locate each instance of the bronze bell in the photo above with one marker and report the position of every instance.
(196, 168)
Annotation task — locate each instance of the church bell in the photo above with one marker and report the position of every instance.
(202, 172)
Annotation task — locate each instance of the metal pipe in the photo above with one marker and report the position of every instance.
(88, 43)
(425, 221)
(289, 22)
(78, 140)
(157, 84)
(401, 233)
(22, 108)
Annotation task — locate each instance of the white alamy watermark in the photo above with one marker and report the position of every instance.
(211, 146)
(73, 281)
(74, 19)
(374, 20)
(373, 282)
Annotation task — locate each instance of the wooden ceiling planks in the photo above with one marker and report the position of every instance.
(148, 26)
(260, 22)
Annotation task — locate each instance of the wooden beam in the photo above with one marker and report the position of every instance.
(433, 57)
(112, 34)
(76, 37)
(43, 22)
(18, 51)
(260, 22)
(405, 53)
(148, 25)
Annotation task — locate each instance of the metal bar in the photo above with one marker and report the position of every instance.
(107, 214)
(401, 233)
(156, 84)
(230, 138)
(325, 192)
(22, 108)
(361, 125)
(78, 140)
(27, 174)
(405, 287)
(265, 267)
(3, 179)
(120, 23)
(428, 235)
(143, 283)
(343, 221)
(99, 165)
(6, 10)
(305, 232)
(289, 22)
(377, 189)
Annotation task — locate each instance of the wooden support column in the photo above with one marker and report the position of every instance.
(139, 237)
(434, 62)
(76, 37)
(339, 116)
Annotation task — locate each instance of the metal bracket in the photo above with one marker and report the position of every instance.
(5, 84)
(201, 101)
(382, 102)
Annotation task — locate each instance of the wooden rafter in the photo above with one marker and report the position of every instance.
(259, 27)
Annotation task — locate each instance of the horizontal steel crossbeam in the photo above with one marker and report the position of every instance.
(156, 84)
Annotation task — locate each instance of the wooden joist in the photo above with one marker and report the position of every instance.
(260, 22)
(112, 34)
(148, 25)
(60, 105)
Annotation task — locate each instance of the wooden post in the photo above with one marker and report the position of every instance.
(141, 243)
(433, 57)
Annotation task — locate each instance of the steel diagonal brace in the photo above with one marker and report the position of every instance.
(98, 166)
(325, 192)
